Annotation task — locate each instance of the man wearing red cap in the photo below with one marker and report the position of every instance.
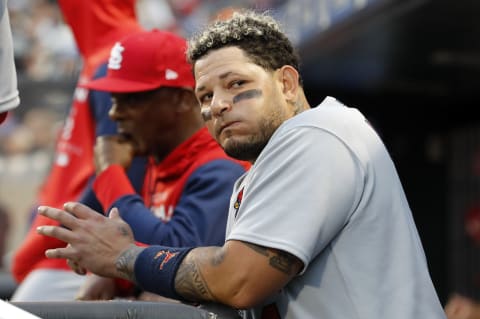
(8, 77)
(189, 178)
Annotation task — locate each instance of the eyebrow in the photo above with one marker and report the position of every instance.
(221, 77)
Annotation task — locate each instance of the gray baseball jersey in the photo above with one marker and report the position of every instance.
(326, 190)
(8, 77)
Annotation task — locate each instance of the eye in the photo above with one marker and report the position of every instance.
(205, 98)
(236, 84)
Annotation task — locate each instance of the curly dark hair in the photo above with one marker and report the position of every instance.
(257, 34)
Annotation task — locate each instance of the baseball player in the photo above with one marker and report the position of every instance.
(9, 98)
(319, 227)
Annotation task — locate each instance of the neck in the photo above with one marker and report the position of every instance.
(300, 104)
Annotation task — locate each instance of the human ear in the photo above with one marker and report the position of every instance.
(186, 100)
(289, 81)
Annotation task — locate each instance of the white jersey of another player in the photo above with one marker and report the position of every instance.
(9, 98)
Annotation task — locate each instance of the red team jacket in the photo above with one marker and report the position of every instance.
(185, 197)
(96, 27)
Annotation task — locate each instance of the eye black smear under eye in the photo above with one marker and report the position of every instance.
(249, 94)
(206, 114)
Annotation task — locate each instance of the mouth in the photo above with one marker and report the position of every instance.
(124, 135)
(226, 126)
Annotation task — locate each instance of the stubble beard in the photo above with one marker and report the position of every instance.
(250, 149)
(246, 151)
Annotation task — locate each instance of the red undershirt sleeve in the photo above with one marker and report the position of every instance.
(112, 184)
(109, 186)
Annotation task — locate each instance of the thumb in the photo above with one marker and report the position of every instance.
(114, 213)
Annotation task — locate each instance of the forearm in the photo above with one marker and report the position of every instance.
(190, 226)
(189, 280)
(153, 272)
(238, 274)
(210, 274)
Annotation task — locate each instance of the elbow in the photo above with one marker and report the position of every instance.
(243, 296)
(244, 301)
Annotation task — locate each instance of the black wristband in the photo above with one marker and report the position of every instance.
(155, 269)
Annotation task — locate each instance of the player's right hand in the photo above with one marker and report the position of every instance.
(112, 149)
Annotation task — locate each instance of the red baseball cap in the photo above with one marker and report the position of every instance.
(145, 61)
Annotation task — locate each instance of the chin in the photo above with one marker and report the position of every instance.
(244, 151)
(138, 150)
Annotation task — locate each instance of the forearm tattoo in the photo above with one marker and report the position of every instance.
(125, 263)
(191, 284)
(278, 259)
(189, 281)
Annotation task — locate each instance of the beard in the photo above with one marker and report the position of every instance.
(250, 149)
(246, 151)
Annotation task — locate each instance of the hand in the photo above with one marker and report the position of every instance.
(97, 288)
(459, 307)
(112, 149)
(96, 242)
(76, 267)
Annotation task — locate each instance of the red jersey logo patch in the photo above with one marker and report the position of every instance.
(237, 203)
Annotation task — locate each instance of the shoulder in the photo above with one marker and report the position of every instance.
(346, 124)
(329, 115)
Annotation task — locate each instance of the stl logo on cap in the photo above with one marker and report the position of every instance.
(115, 60)
(171, 75)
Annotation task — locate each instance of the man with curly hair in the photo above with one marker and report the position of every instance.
(319, 227)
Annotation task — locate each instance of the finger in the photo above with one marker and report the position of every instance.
(59, 215)
(76, 267)
(62, 233)
(81, 297)
(114, 213)
(106, 137)
(105, 295)
(63, 253)
(81, 211)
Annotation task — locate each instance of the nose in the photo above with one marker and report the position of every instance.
(220, 105)
(114, 113)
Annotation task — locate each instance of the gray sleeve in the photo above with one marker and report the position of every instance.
(301, 193)
(9, 98)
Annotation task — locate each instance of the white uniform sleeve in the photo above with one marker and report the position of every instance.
(300, 193)
(9, 98)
